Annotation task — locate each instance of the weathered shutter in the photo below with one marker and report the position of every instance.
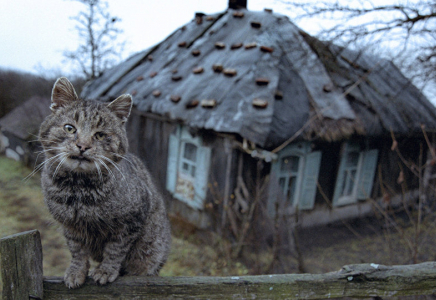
(367, 173)
(173, 154)
(310, 179)
(202, 175)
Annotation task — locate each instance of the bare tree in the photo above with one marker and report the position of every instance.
(404, 29)
(100, 48)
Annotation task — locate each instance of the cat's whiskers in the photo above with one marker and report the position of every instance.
(122, 156)
(49, 149)
(35, 166)
(35, 140)
(62, 160)
(41, 165)
(37, 156)
(114, 164)
(100, 176)
(32, 134)
(106, 167)
(46, 150)
(54, 139)
(62, 154)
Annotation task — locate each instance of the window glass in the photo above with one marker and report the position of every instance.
(291, 188)
(350, 171)
(282, 182)
(189, 159)
(190, 152)
(288, 176)
(352, 159)
(349, 181)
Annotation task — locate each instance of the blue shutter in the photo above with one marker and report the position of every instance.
(367, 172)
(202, 175)
(310, 179)
(173, 154)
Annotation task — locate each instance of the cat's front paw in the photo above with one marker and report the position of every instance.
(75, 277)
(104, 274)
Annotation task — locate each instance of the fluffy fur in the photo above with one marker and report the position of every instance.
(103, 197)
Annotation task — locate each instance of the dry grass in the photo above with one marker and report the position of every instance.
(384, 247)
(22, 208)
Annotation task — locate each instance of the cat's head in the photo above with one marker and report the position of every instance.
(84, 136)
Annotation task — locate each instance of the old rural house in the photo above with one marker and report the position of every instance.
(241, 107)
(19, 130)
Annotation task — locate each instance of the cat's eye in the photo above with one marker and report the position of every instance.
(69, 128)
(100, 136)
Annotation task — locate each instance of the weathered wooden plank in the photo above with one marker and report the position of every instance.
(365, 280)
(21, 270)
(21, 266)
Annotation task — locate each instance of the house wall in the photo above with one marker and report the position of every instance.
(149, 139)
(386, 190)
(388, 168)
(20, 150)
(392, 163)
(12, 146)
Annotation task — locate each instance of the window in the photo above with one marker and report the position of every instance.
(356, 174)
(188, 159)
(289, 166)
(350, 172)
(295, 175)
(188, 168)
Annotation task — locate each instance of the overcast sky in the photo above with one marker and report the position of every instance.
(34, 33)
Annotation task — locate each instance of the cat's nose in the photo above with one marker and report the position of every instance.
(83, 147)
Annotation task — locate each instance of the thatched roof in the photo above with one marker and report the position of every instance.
(24, 120)
(257, 75)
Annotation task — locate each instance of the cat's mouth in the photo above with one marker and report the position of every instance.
(80, 158)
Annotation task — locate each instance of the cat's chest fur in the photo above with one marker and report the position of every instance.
(86, 207)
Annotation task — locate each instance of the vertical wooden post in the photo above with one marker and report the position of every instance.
(21, 266)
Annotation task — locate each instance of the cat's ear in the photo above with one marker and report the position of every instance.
(121, 107)
(63, 93)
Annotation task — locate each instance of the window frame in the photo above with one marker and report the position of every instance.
(364, 179)
(287, 175)
(176, 151)
(352, 197)
(189, 162)
(307, 178)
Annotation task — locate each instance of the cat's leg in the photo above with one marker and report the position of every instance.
(76, 273)
(114, 254)
(148, 256)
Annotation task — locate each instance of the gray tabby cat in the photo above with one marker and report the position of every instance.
(102, 196)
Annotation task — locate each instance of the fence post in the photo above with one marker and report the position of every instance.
(21, 266)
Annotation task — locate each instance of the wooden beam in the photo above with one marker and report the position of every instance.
(21, 271)
(21, 266)
(364, 280)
